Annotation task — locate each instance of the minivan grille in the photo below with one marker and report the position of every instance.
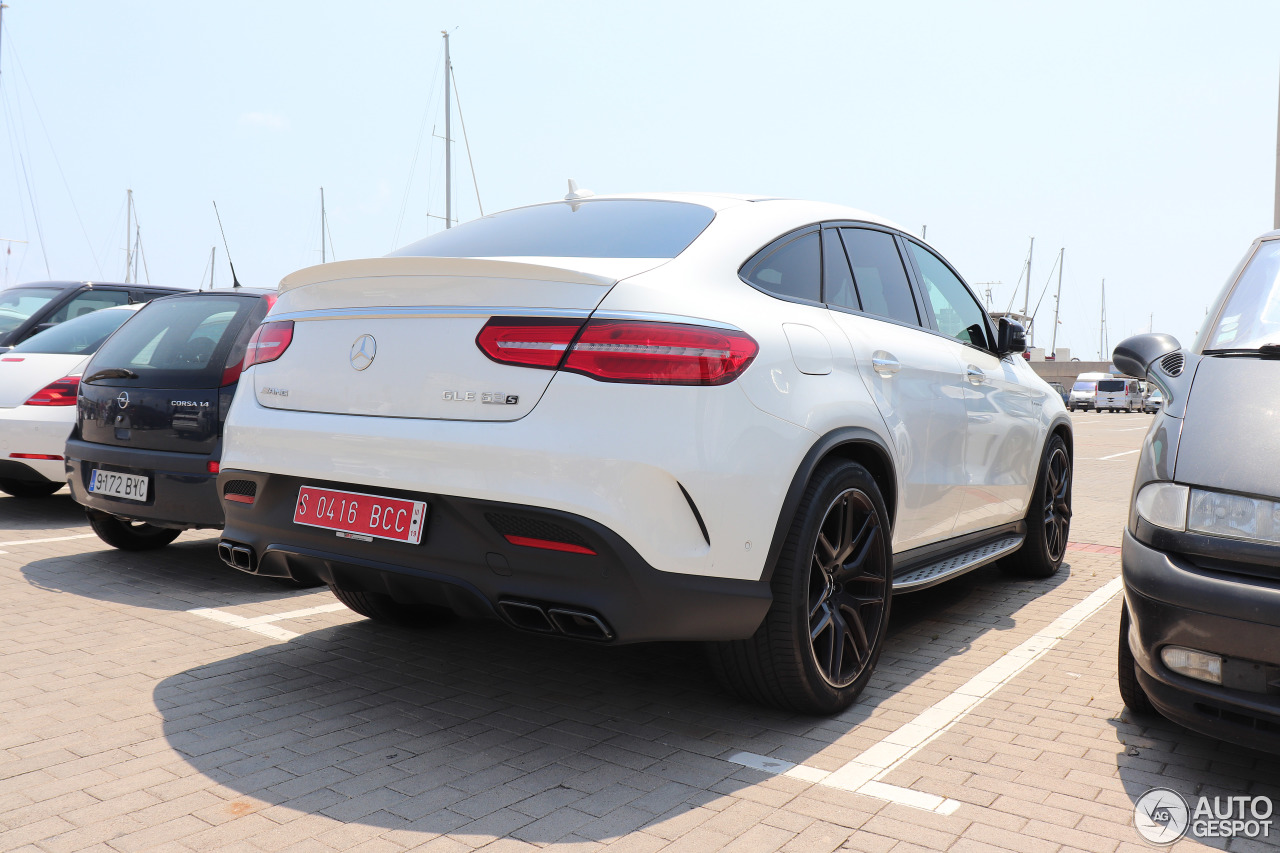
(1172, 363)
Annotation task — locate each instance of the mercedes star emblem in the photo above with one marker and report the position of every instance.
(123, 399)
(363, 352)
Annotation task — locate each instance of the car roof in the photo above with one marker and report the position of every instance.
(69, 285)
(246, 292)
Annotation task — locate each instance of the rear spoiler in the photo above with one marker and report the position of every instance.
(468, 267)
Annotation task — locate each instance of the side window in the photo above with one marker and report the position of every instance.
(958, 314)
(88, 302)
(837, 281)
(792, 270)
(879, 276)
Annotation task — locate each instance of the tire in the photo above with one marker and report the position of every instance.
(29, 488)
(386, 610)
(1135, 698)
(819, 643)
(1048, 517)
(130, 535)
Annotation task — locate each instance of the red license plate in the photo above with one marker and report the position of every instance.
(354, 515)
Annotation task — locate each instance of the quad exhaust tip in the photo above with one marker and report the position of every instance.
(567, 621)
(237, 556)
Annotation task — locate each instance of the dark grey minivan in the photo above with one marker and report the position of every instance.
(143, 456)
(1200, 629)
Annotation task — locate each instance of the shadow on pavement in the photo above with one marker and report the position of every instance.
(180, 576)
(434, 729)
(55, 513)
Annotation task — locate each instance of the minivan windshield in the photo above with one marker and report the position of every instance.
(79, 336)
(19, 303)
(1084, 386)
(176, 342)
(1251, 316)
(605, 228)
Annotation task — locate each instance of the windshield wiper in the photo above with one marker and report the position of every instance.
(112, 373)
(1262, 351)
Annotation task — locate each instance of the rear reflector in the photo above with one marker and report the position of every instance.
(212, 467)
(632, 351)
(546, 544)
(268, 343)
(60, 393)
(50, 456)
(527, 342)
(12, 359)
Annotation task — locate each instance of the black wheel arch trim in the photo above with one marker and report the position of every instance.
(823, 448)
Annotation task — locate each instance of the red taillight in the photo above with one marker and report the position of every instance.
(212, 467)
(60, 393)
(549, 545)
(637, 351)
(50, 456)
(528, 342)
(268, 343)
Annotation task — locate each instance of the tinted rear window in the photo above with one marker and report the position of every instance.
(621, 228)
(81, 336)
(183, 342)
(1110, 385)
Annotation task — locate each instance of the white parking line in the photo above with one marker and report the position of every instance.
(1118, 455)
(50, 539)
(862, 775)
(262, 624)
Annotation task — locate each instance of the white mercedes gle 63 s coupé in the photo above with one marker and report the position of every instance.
(741, 420)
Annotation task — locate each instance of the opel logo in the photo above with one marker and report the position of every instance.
(123, 399)
(363, 352)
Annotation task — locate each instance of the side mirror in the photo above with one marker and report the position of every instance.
(1010, 337)
(1134, 356)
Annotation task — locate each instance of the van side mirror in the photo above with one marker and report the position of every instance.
(1134, 356)
(1010, 337)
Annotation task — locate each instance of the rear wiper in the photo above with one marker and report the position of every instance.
(112, 373)
(1263, 351)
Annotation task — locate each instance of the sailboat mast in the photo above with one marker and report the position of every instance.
(1102, 326)
(1026, 293)
(1057, 303)
(2, 8)
(448, 139)
(128, 240)
(322, 255)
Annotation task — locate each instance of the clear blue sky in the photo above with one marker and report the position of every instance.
(1140, 136)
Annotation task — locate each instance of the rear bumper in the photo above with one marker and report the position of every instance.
(1172, 602)
(34, 430)
(466, 563)
(183, 494)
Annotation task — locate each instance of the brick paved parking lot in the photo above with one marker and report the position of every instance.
(163, 701)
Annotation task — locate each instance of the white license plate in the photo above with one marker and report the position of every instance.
(114, 484)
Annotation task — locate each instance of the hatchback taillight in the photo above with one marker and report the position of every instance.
(637, 351)
(60, 393)
(268, 343)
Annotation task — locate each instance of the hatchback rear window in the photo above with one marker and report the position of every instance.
(181, 342)
(1109, 386)
(81, 336)
(618, 228)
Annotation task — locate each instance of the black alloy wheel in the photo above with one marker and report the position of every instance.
(847, 582)
(832, 588)
(1048, 517)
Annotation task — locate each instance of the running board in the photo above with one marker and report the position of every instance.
(966, 561)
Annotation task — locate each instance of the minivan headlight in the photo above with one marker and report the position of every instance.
(1164, 505)
(1220, 514)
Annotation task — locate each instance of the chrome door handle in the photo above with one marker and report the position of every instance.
(885, 363)
(975, 375)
